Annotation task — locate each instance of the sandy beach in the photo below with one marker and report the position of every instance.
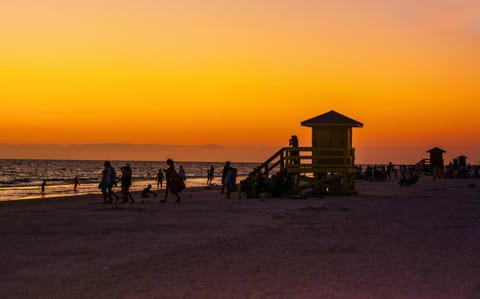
(388, 241)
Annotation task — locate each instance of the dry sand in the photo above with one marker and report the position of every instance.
(389, 241)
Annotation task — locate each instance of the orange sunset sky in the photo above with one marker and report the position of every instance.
(220, 79)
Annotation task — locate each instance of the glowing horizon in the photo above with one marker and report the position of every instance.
(240, 76)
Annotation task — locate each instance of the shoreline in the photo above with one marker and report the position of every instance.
(83, 195)
(53, 191)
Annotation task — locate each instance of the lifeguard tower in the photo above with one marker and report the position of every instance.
(327, 166)
(436, 158)
(435, 161)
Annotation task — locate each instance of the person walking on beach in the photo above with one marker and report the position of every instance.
(175, 183)
(225, 171)
(126, 183)
(229, 181)
(160, 179)
(75, 183)
(108, 180)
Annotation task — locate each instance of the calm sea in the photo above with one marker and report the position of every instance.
(21, 179)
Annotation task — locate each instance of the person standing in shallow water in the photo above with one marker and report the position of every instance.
(75, 183)
(44, 183)
(175, 183)
(210, 175)
(160, 179)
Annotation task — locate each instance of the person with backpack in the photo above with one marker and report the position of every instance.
(175, 183)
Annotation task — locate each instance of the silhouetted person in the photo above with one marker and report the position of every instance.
(293, 142)
(229, 181)
(226, 168)
(389, 171)
(126, 183)
(181, 173)
(108, 180)
(75, 183)
(210, 175)
(175, 183)
(42, 187)
(147, 192)
(160, 179)
(409, 177)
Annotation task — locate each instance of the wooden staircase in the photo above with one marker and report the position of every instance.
(423, 165)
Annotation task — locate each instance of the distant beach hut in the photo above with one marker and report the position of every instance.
(436, 157)
(462, 161)
(459, 168)
(455, 163)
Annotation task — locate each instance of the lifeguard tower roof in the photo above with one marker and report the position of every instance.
(331, 118)
(436, 150)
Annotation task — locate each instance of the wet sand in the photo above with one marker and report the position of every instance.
(421, 241)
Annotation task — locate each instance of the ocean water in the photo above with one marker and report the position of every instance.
(21, 179)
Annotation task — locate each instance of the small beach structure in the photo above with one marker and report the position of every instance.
(436, 157)
(435, 161)
(327, 166)
(458, 168)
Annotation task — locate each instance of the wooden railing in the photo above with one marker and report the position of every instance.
(307, 160)
(423, 163)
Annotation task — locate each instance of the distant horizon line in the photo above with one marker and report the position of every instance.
(177, 161)
(215, 153)
(128, 160)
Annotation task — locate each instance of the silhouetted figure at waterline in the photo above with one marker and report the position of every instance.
(75, 183)
(108, 180)
(42, 187)
(160, 179)
(210, 175)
